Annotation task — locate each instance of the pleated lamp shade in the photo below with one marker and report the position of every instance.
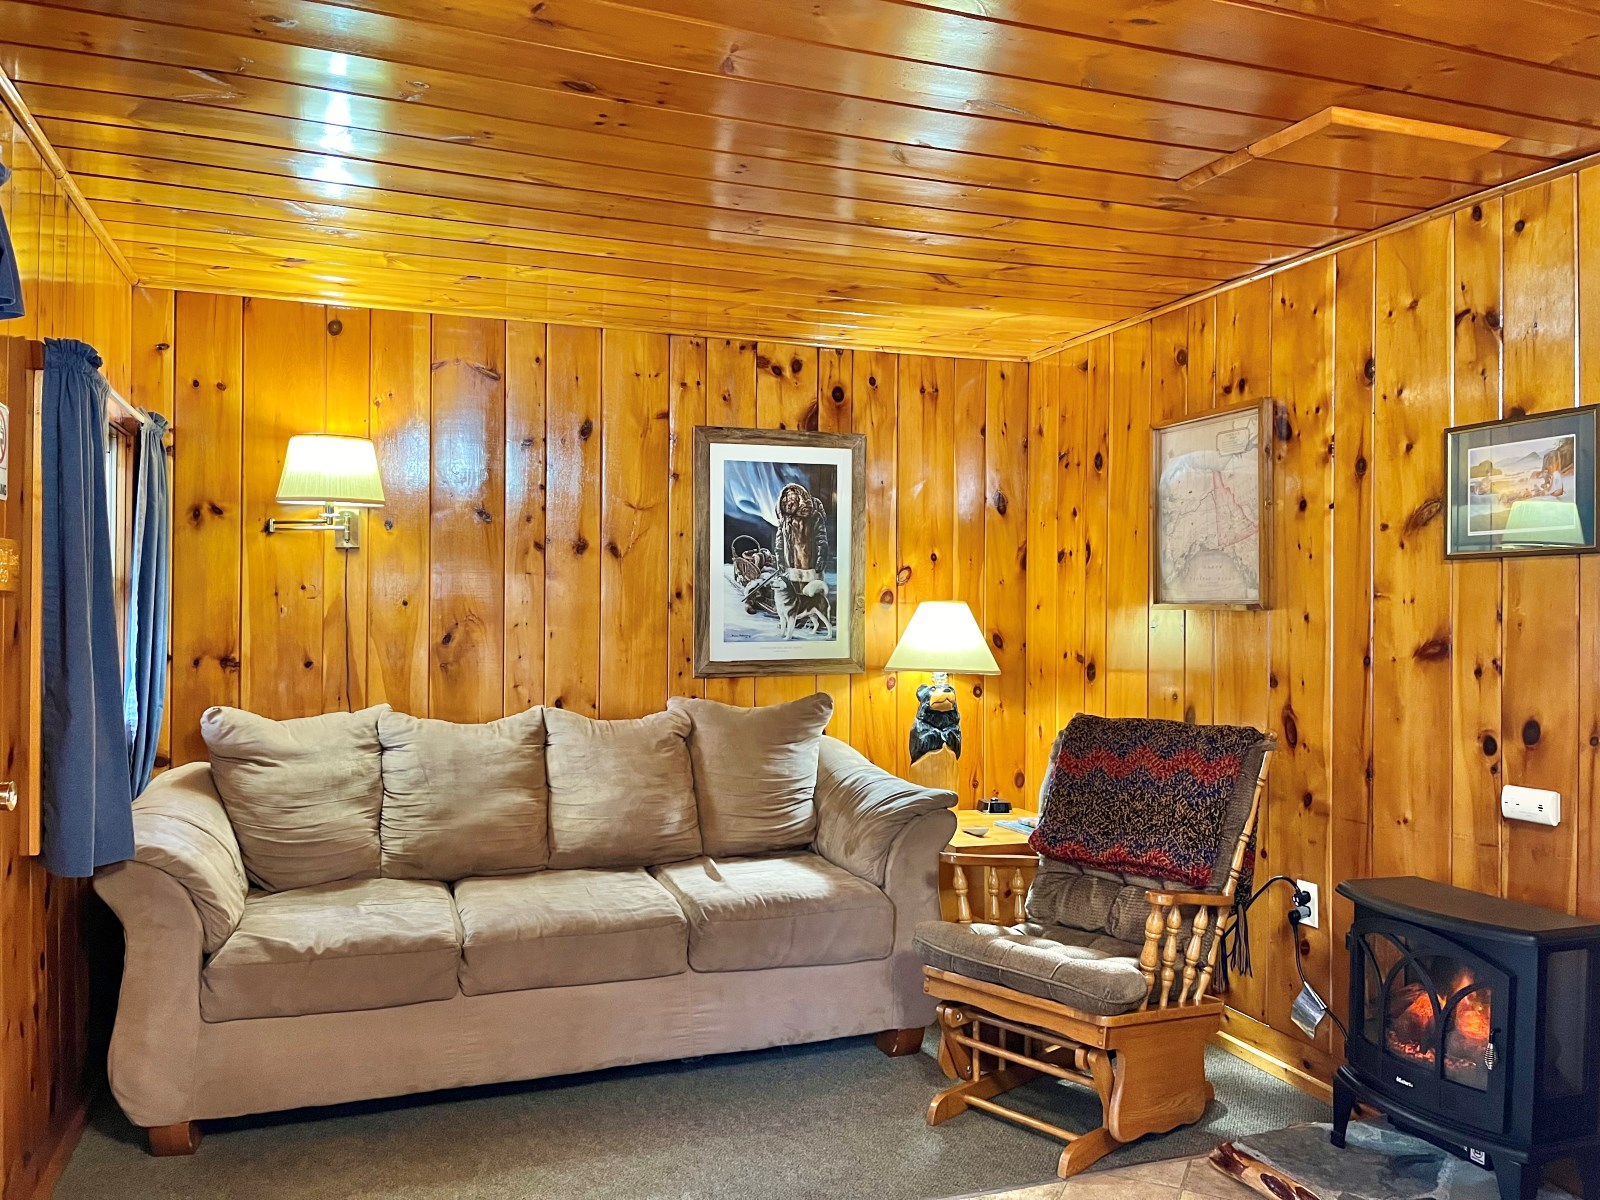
(321, 468)
(943, 635)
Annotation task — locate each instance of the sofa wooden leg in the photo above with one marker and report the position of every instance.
(169, 1140)
(898, 1042)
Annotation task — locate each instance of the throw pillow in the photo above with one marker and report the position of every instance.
(755, 772)
(302, 795)
(462, 800)
(621, 792)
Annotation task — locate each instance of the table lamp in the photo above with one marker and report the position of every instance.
(339, 473)
(942, 637)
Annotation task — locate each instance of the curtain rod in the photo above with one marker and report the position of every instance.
(36, 363)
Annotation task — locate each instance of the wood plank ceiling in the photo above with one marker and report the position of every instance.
(982, 177)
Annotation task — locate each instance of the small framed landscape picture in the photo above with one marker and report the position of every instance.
(1210, 488)
(1525, 486)
(780, 552)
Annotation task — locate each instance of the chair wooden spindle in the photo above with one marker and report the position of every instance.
(1148, 956)
(1191, 955)
(1169, 954)
(963, 904)
(1019, 898)
(991, 895)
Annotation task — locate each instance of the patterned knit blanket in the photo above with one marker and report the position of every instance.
(1161, 799)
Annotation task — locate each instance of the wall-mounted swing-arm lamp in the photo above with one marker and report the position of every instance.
(339, 473)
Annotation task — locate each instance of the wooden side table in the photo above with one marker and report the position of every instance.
(990, 894)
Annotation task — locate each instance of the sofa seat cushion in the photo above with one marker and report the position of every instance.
(779, 910)
(562, 928)
(1087, 971)
(335, 947)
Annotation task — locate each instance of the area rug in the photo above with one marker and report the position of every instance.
(831, 1121)
(1377, 1163)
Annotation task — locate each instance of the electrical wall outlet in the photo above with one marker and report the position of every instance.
(1314, 904)
(1530, 804)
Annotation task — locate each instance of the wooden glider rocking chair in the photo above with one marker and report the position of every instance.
(1137, 1032)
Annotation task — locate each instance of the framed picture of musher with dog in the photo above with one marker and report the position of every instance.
(780, 552)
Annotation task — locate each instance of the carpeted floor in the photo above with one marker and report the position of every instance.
(833, 1121)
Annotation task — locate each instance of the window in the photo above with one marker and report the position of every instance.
(121, 441)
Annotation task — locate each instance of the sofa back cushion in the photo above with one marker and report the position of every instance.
(755, 772)
(462, 800)
(303, 796)
(621, 792)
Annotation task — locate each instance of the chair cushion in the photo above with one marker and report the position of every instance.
(335, 947)
(463, 800)
(755, 772)
(1144, 796)
(1095, 901)
(621, 792)
(561, 928)
(779, 910)
(1087, 971)
(303, 795)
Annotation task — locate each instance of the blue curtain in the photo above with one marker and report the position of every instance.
(144, 675)
(87, 813)
(10, 279)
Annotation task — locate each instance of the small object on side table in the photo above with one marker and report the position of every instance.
(994, 804)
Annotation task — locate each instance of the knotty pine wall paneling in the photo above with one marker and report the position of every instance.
(537, 541)
(1403, 690)
(72, 288)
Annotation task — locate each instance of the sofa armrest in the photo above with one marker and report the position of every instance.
(862, 810)
(181, 829)
(156, 1040)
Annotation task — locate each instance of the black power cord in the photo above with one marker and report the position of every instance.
(1300, 912)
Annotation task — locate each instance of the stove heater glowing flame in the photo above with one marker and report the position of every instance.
(1412, 1028)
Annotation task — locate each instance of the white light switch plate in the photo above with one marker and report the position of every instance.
(1315, 905)
(1530, 804)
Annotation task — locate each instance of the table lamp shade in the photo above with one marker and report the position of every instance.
(943, 635)
(325, 469)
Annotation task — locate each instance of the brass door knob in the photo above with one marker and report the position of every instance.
(8, 795)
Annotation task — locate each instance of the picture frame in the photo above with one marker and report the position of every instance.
(780, 552)
(1199, 558)
(1521, 487)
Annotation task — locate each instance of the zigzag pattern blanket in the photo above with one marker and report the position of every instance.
(1140, 796)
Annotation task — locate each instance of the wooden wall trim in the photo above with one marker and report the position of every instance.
(12, 99)
(37, 1180)
(1332, 249)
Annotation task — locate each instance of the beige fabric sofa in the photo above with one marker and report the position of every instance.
(237, 999)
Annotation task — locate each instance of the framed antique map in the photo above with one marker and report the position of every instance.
(1211, 479)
